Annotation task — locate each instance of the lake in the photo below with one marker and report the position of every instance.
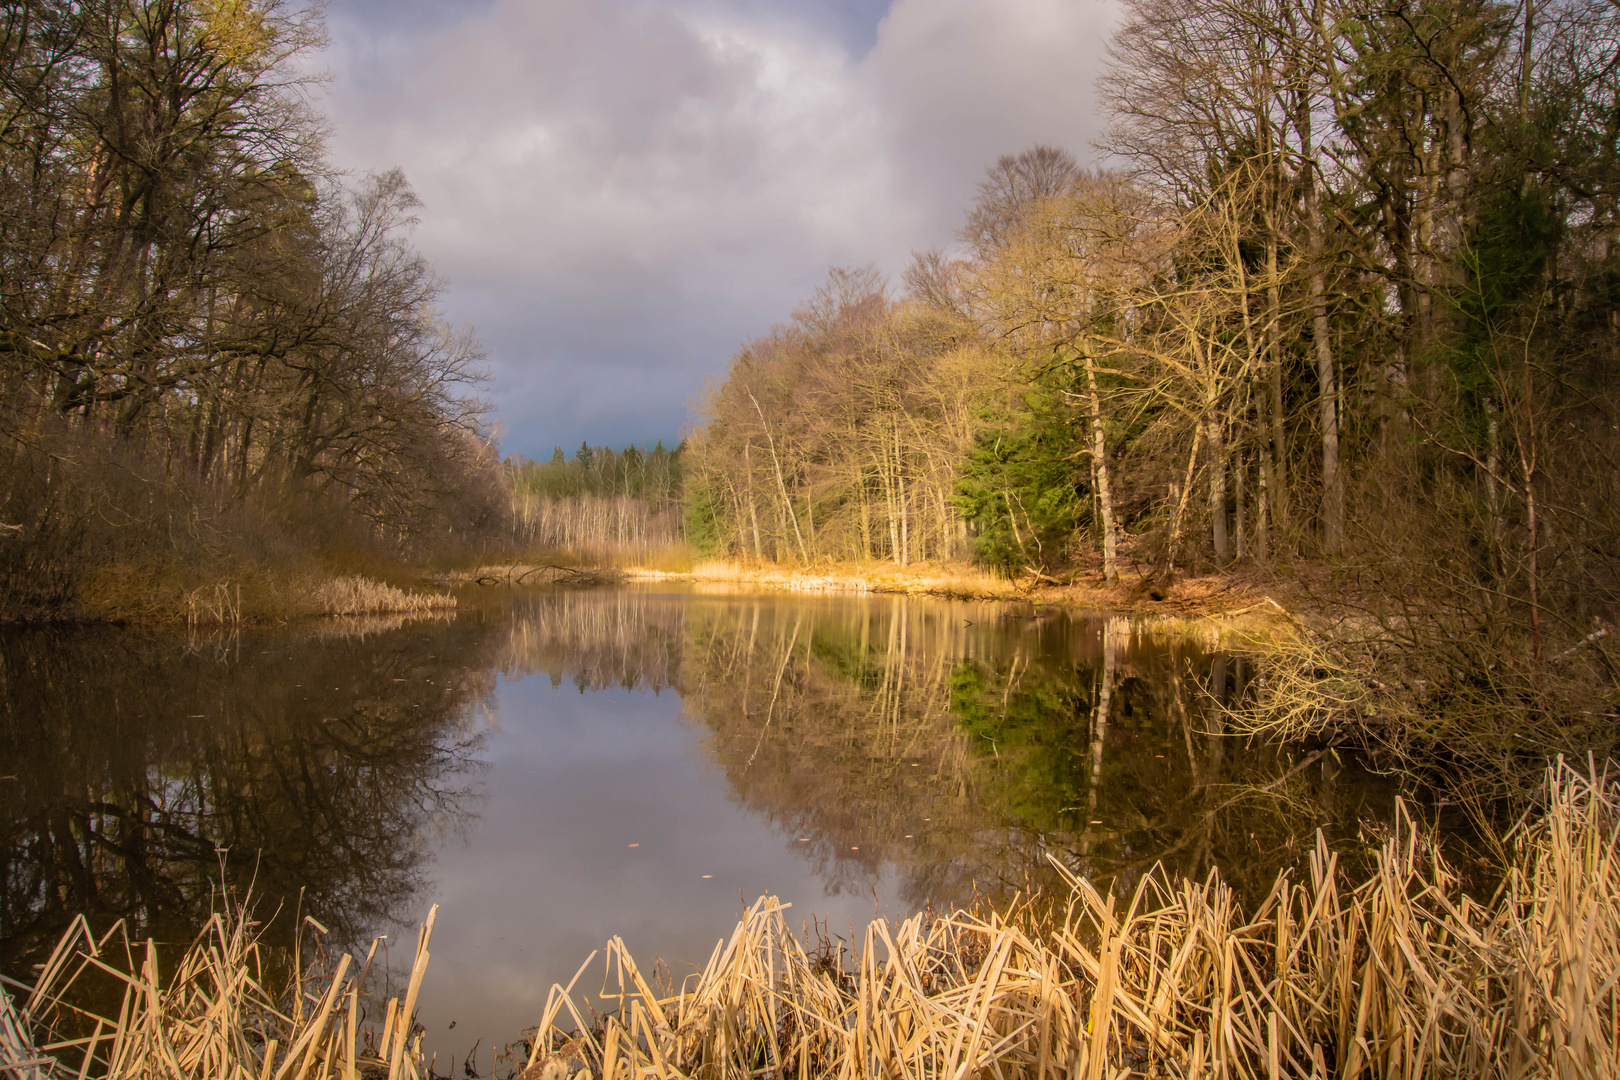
(555, 767)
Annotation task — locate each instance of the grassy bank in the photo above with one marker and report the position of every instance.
(1224, 596)
(123, 593)
(1399, 974)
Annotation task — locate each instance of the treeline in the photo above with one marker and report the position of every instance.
(601, 504)
(1348, 294)
(1343, 308)
(213, 348)
(841, 434)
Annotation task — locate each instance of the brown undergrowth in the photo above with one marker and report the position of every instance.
(1399, 975)
(129, 593)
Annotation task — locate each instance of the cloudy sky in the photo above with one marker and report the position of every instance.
(621, 192)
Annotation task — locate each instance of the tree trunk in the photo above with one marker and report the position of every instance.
(1099, 461)
(753, 511)
(1332, 486)
(1217, 489)
(1181, 492)
(1279, 436)
(781, 485)
(1240, 509)
(1262, 526)
(866, 519)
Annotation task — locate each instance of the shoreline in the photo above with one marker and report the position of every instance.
(1227, 603)
(1234, 604)
(256, 598)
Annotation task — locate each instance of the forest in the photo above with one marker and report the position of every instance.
(604, 506)
(221, 359)
(1338, 316)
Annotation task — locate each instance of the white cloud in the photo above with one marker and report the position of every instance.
(622, 191)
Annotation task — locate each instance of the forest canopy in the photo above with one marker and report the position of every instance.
(1346, 289)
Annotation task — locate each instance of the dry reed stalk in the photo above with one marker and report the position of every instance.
(210, 1018)
(363, 596)
(1399, 976)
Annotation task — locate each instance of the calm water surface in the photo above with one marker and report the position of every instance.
(557, 767)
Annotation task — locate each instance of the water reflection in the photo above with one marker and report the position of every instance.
(851, 752)
(964, 745)
(137, 763)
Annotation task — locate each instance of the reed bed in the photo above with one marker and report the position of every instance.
(362, 596)
(211, 1017)
(950, 580)
(1401, 975)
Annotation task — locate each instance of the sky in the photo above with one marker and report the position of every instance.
(621, 193)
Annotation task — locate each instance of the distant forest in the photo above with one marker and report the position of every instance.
(601, 504)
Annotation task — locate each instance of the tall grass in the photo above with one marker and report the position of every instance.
(212, 1017)
(156, 595)
(1400, 975)
(355, 595)
(943, 579)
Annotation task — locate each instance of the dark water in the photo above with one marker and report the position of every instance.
(554, 768)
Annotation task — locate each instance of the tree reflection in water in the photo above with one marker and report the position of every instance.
(962, 744)
(945, 747)
(137, 763)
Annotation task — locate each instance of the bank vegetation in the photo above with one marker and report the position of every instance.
(1337, 321)
(220, 359)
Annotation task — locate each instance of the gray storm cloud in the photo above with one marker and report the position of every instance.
(622, 193)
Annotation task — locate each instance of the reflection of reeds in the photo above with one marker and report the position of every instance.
(1400, 976)
(361, 627)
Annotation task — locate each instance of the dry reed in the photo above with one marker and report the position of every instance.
(949, 580)
(211, 1017)
(1402, 975)
(363, 596)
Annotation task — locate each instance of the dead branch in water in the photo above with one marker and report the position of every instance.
(544, 573)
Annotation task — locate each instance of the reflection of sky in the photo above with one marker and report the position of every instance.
(546, 874)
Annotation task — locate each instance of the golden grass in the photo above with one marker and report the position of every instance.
(921, 579)
(362, 596)
(160, 593)
(1399, 976)
(211, 1017)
